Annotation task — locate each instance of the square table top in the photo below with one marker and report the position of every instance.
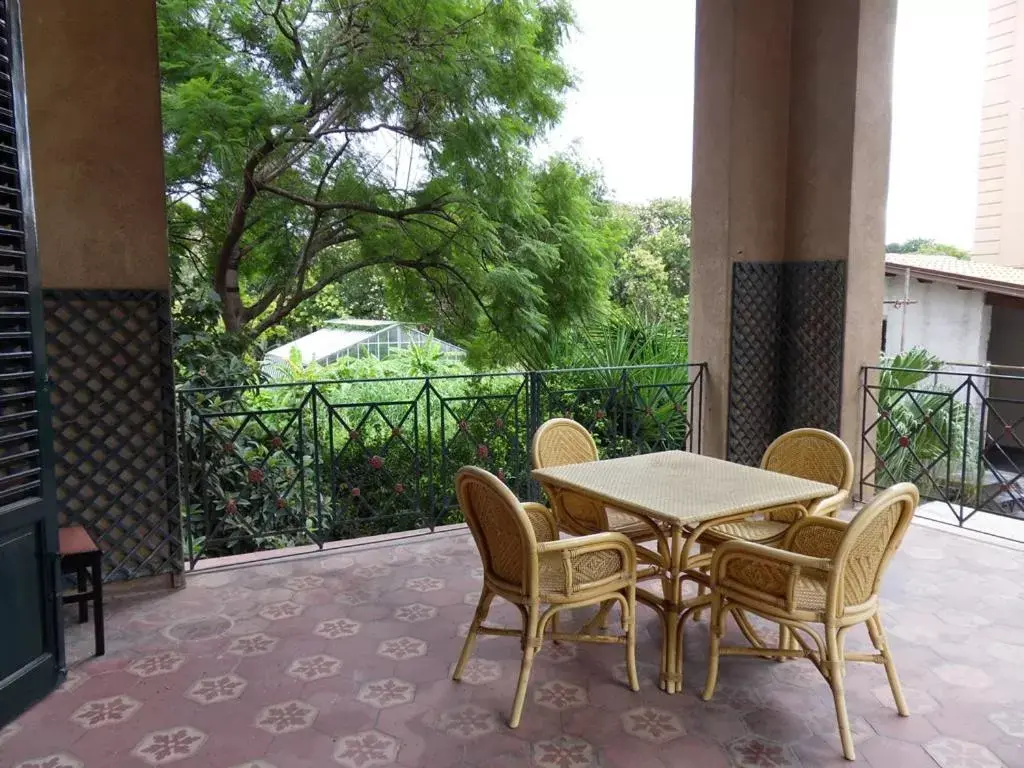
(681, 487)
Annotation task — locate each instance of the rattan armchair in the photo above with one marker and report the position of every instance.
(558, 442)
(526, 563)
(812, 454)
(827, 572)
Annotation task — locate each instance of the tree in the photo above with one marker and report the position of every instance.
(652, 273)
(313, 143)
(924, 245)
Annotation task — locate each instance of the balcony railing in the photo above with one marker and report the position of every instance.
(958, 433)
(277, 465)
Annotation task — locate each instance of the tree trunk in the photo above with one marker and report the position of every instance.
(225, 279)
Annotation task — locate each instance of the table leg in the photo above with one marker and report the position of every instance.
(671, 584)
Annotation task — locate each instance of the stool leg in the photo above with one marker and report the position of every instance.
(97, 613)
(83, 605)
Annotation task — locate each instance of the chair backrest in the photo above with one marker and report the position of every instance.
(812, 454)
(500, 527)
(558, 442)
(871, 539)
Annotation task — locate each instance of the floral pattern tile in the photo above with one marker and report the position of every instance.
(751, 752)
(658, 726)
(402, 648)
(564, 752)
(307, 660)
(468, 722)
(157, 664)
(306, 581)
(480, 671)
(424, 584)
(311, 668)
(286, 717)
(366, 749)
(286, 609)
(335, 628)
(213, 690)
(169, 746)
(559, 695)
(60, 760)
(252, 645)
(101, 712)
(415, 612)
(386, 693)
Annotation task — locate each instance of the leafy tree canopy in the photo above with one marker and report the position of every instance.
(925, 245)
(375, 154)
(652, 272)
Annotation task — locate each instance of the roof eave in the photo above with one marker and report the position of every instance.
(962, 281)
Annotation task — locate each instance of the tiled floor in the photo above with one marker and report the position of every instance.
(344, 660)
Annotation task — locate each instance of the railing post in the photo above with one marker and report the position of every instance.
(314, 397)
(533, 421)
(697, 420)
(533, 418)
(184, 483)
(431, 500)
(964, 451)
(863, 429)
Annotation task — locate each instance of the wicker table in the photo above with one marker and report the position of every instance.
(679, 495)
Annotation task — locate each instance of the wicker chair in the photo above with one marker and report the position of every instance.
(558, 442)
(526, 563)
(812, 454)
(828, 572)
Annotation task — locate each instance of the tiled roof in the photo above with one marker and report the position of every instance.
(994, 278)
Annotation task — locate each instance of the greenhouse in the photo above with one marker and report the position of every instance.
(355, 337)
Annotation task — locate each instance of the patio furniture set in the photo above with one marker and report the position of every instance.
(755, 541)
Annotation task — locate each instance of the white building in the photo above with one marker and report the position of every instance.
(355, 337)
(960, 311)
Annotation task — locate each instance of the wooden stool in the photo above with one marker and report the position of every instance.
(80, 554)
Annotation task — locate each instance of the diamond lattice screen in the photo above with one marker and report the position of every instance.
(113, 420)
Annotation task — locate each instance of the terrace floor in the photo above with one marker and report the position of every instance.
(343, 659)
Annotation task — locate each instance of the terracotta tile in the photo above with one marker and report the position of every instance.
(398, 612)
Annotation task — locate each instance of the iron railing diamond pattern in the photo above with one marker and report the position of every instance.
(953, 435)
(332, 460)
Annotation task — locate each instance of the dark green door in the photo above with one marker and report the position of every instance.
(31, 643)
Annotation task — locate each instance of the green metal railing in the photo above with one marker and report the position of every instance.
(276, 465)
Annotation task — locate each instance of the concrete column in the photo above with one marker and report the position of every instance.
(790, 174)
(93, 92)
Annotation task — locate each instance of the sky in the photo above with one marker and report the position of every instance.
(632, 113)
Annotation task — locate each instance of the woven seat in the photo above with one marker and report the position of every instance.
(526, 563)
(827, 572)
(812, 454)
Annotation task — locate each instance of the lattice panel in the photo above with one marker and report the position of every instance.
(755, 359)
(114, 428)
(787, 354)
(813, 318)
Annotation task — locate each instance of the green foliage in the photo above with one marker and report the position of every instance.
(922, 426)
(925, 245)
(327, 157)
(652, 273)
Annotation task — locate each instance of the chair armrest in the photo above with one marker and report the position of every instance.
(830, 505)
(577, 546)
(815, 536)
(762, 569)
(545, 527)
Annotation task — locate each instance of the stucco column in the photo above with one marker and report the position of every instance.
(790, 174)
(93, 92)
